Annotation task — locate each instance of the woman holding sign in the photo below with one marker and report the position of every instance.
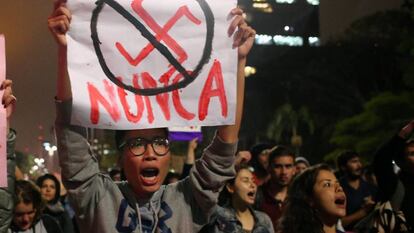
(142, 204)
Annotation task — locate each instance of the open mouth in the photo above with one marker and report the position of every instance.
(149, 176)
(251, 194)
(150, 172)
(340, 201)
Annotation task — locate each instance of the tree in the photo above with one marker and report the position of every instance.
(288, 120)
(379, 120)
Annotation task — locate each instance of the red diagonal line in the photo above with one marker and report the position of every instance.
(161, 33)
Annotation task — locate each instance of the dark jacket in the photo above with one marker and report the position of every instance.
(45, 224)
(388, 180)
(61, 216)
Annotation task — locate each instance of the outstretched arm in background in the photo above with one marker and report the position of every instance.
(383, 166)
(190, 158)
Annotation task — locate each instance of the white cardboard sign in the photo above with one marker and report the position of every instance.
(145, 63)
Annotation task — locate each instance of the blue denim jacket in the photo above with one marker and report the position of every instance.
(224, 220)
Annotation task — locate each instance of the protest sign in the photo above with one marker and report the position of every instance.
(3, 121)
(146, 63)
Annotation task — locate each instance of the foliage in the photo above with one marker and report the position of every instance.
(287, 120)
(24, 161)
(378, 121)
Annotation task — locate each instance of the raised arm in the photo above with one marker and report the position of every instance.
(383, 166)
(190, 158)
(243, 39)
(58, 23)
(6, 194)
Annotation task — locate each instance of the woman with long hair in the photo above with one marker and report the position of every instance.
(236, 213)
(315, 202)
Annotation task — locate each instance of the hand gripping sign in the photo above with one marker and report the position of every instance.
(146, 63)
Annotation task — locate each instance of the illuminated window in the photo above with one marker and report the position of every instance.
(314, 41)
(263, 39)
(288, 40)
(249, 71)
(263, 6)
(313, 2)
(285, 1)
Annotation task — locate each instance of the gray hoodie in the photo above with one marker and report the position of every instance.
(103, 206)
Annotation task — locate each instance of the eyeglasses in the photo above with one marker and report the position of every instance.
(138, 146)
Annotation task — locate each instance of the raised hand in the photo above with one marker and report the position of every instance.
(8, 99)
(407, 130)
(244, 36)
(59, 22)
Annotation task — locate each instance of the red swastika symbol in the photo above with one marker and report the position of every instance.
(161, 33)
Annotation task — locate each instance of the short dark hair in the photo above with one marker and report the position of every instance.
(42, 179)
(279, 151)
(344, 157)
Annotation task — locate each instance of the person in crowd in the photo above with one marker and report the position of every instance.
(360, 194)
(141, 204)
(315, 202)
(271, 196)
(28, 214)
(301, 163)
(50, 189)
(397, 188)
(237, 214)
(260, 161)
(6, 194)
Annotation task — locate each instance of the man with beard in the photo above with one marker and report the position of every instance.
(360, 194)
(271, 196)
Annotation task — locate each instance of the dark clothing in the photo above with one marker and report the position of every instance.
(61, 216)
(267, 203)
(186, 170)
(224, 220)
(355, 197)
(388, 180)
(46, 224)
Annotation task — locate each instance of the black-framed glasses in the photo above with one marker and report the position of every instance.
(138, 146)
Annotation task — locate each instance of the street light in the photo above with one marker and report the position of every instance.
(49, 148)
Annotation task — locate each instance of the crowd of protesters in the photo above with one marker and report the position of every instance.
(264, 190)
